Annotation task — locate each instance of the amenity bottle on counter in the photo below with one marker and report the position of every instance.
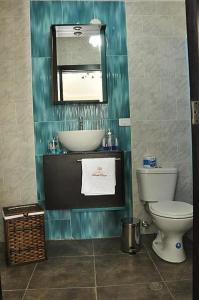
(53, 146)
(110, 142)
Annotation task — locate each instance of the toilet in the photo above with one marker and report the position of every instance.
(156, 187)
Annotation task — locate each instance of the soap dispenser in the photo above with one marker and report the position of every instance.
(105, 143)
(109, 139)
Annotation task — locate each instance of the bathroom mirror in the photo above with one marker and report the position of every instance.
(79, 66)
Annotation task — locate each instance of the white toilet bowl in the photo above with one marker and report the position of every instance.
(173, 219)
(156, 188)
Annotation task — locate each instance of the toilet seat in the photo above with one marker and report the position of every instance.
(172, 209)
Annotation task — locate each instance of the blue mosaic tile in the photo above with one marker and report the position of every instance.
(118, 89)
(56, 12)
(101, 124)
(58, 229)
(40, 13)
(128, 183)
(58, 214)
(41, 82)
(112, 223)
(49, 119)
(112, 13)
(44, 109)
(70, 12)
(87, 111)
(85, 11)
(98, 209)
(124, 134)
(77, 12)
(41, 203)
(46, 229)
(86, 224)
(39, 178)
(96, 224)
(44, 131)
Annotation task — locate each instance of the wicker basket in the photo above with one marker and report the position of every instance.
(24, 234)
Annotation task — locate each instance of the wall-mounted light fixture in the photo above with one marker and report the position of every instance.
(77, 33)
(95, 21)
(77, 27)
(95, 41)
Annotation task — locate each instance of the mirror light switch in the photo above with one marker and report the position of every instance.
(125, 122)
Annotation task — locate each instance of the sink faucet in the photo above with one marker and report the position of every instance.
(81, 123)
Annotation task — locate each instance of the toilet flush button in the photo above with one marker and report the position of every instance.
(178, 245)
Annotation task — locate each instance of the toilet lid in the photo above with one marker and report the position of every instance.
(172, 209)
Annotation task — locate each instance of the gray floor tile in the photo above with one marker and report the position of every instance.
(109, 246)
(3, 264)
(61, 294)
(181, 290)
(2, 247)
(155, 291)
(125, 269)
(188, 246)
(62, 272)
(69, 248)
(13, 295)
(129, 277)
(147, 240)
(16, 277)
(172, 271)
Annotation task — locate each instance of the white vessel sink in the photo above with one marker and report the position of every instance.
(81, 140)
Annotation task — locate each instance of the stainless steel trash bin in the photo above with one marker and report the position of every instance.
(130, 238)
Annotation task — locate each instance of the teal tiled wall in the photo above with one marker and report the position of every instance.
(49, 119)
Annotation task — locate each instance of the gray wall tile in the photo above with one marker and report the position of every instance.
(158, 25)
(171, 8)
(159, 91)
(140, 8)
(16, 120)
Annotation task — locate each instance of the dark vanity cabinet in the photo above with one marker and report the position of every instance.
(63, 179)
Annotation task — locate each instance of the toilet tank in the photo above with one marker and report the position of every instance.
(156, 184)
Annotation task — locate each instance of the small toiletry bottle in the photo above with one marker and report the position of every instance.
(53, 146)
(109, 140)
(114, 143)
(104, 143)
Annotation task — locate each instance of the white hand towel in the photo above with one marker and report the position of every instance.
(98, 176)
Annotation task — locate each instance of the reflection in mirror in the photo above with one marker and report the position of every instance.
(79, 73)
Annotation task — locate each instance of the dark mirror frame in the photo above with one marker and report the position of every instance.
(83, 67)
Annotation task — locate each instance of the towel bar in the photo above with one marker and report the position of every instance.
(80, 160)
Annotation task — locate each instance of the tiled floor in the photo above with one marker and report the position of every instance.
(98, 270)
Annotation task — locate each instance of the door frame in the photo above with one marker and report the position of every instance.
(192, 16)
